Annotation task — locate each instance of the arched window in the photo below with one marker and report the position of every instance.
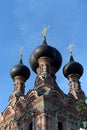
(60, 125)
(31, 126)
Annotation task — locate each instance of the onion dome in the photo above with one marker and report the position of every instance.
(45, 50)
(72, 67)
(20, 70)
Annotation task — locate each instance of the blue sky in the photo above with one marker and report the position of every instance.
(21, 23)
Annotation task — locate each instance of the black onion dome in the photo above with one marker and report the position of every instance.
(45, 50)
(72, 68)
(20, 70)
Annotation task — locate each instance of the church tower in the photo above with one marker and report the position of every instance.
(19, 73)
(73, 71)
(8, 119)
(45, 61)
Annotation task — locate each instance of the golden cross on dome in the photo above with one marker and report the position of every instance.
(21, 52)
(70, 48)
(44, 32)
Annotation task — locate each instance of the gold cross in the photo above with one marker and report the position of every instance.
(21, 52)
(44, 32)
(70, 48)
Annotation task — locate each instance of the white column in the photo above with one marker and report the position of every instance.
(44, 125)
(38, 123)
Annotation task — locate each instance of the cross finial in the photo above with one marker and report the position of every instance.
(44, 32)
(70, 48)
(21, 52)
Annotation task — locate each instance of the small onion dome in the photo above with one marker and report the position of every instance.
(72, 68)
(45, 50)
(20, 70)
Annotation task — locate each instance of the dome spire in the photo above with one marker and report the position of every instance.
(45, 50)
(43, 33)
(70, 48)
(72, 67)
(20, 69)
(70, 51)
(21, 62)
